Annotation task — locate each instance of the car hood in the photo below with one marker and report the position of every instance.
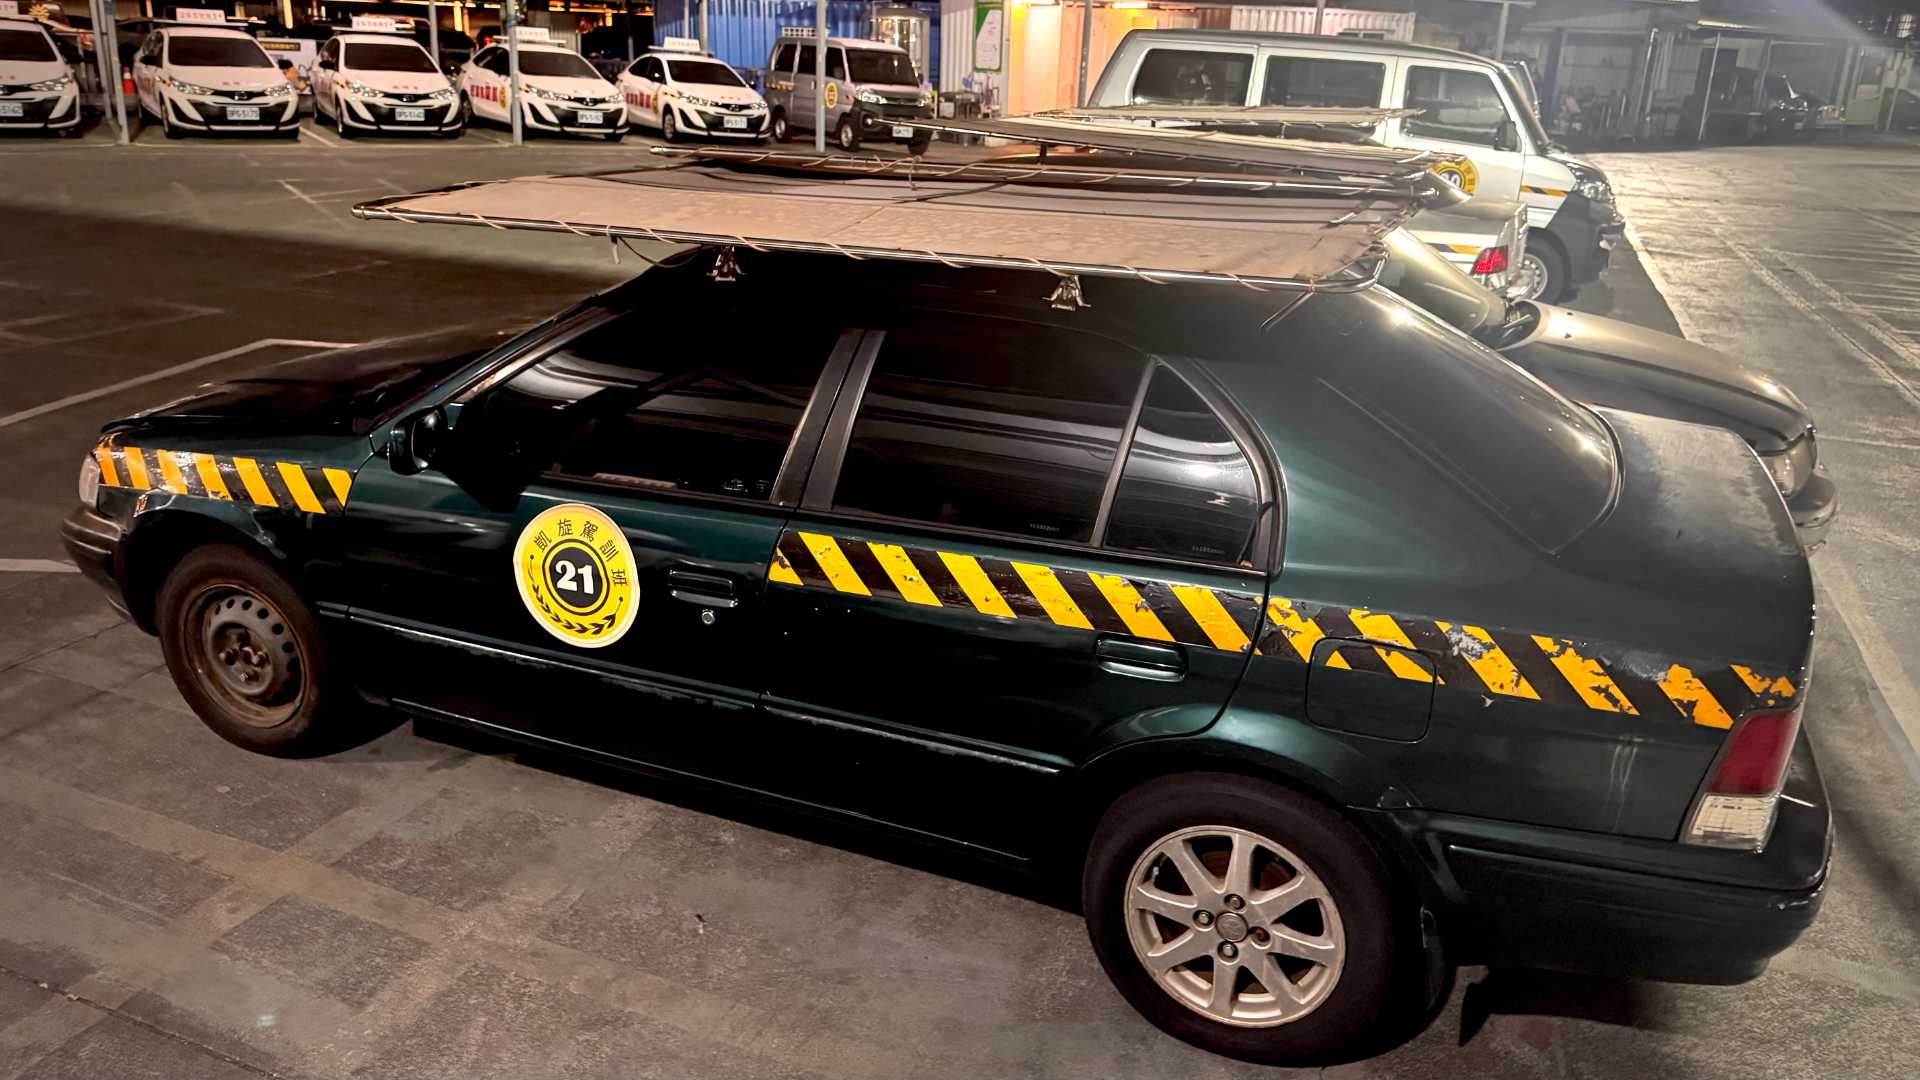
(1608, 362)
(572, 87)
(31, 71)
(338, 392)
(728, 95)
(398, 82)
(227, 78)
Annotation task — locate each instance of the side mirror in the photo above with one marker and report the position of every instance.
(1507, 135)
(326, 65)
(414, 441)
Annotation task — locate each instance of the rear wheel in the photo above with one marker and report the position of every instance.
(1542, 275)
(247, 654)
(1241, 917)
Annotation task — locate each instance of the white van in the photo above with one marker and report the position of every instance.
(1471, 107)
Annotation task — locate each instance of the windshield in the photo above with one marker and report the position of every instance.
(562, 65)
(886, 68)
(29, 45)
(381, 56)
(1424, 276)
(703, 73)
(201, 50)
(1527, 118)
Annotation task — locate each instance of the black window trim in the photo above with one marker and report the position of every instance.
(824, 478)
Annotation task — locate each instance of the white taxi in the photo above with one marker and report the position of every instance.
(682, 92)
(213, 78)
(37, 88)
(370, 81)
(559, 91)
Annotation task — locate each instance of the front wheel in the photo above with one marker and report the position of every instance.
(846, 136)
(919, 143)
(340, 120)
(781, 132)
(247, 654)
(669, 128)
(1542, 276)
(1241, 917)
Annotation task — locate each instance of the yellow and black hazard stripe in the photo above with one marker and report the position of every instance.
(1554, 192)
(1529, 666)
(1008, 589)
(1457, 249)
(283, 485)
(1499, 662)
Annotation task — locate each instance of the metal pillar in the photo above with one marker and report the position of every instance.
(819, 76)
(1086, 46)
(626, 8)
(1706, 92)
(704, 46)
(106, 55)
(1500, 32)
(433, 32)
(508, 20)
(1319, 14)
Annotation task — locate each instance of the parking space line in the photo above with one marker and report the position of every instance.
(37, 566)
(312, 131)
(24, 415)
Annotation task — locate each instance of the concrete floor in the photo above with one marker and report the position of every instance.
(423, 906)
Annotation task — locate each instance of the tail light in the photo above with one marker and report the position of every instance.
(1492, 260)
(1738, 806)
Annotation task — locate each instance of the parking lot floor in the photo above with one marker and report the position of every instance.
(426, 905)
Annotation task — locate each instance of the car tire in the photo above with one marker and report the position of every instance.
(1237, 829)
(1546, 274)
(466, 111)
(669, 127)
(166, 123)
(615, 136)
(919, 143)
(782, 133)
(248, 655)
(340, 120)
(846, 136)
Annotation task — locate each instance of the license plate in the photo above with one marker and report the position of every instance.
(243, 112)
(900, 132)
(589, 117)
(736, 122)
(409, 115)
(13, 108)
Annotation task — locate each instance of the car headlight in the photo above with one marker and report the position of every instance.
(870, 97)
(188, 88)
(60, 83)
(1597, 190)
(690, 99)
(442, 95)
(543, 94)
(89, 482)
(283, 90)
(1780, 466)
(926, 98)
(360, 89)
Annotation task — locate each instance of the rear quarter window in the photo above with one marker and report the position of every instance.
(1192, 77)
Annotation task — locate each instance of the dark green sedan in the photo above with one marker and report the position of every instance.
(1315, 645)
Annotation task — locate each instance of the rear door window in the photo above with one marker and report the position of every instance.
(1316, 81)
(1192, 77)
(1188, 490)
(970, 431)
(1456, 105)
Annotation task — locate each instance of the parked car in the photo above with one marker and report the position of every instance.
(1619, 365)
(381, 82)
(870, 87)
(213, 79)
(1471, 107)
(38, 91)
(681, 92)
(559, 92)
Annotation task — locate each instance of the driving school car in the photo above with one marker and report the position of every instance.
(681, 92)
(1301, 633)
(213, 79)
(559, 91)
(373, 81)
(37, 89)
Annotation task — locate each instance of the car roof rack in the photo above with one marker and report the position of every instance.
(1251, 115)
(1257, 213)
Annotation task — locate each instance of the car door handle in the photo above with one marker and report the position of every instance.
(1141, 660)
(706, 590)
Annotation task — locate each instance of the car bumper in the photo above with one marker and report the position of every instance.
(93, 543)
(46, 113)
(696, 121)
(1588, 232)
(563, 119)
(1814, 508)
(880, 125)
(276, 114)
(440, 116)
(1520, 896)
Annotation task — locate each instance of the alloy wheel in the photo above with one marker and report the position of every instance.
(1234, 926)
(1529, 279)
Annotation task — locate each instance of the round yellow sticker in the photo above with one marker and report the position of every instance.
(833, 94)
(575, 573)
(1459, 172)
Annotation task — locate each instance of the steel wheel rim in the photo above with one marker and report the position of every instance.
(244, 655)
(1533, 277)
(667, 125)
(1255, 940)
